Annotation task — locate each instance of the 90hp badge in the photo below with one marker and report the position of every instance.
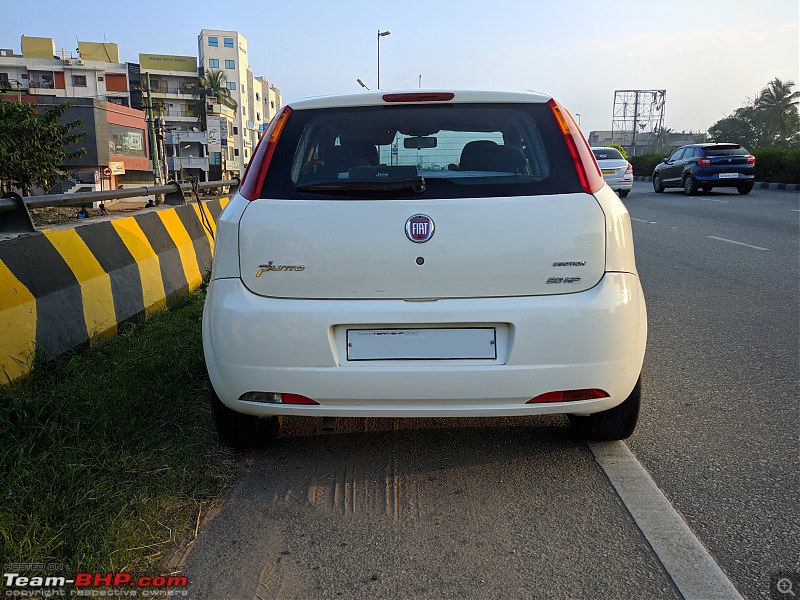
(419, 228)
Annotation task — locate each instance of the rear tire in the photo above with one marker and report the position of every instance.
(658, 185)
(745, 189)
(689, 185)
(616, 423)
(242, 431)
(623, 193)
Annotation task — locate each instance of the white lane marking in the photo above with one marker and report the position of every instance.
(643, 221)
(714, 200)
(686, 560)
(794, 209)
(713, 237)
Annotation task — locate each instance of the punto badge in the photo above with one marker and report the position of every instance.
(419, 228)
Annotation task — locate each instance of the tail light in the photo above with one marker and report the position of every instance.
(585, 164)
(751, 160)
(253, 177)
(704, 162)
(629, 170)
(569, 396)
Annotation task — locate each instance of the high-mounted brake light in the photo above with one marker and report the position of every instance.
(585, 164)
(569, 396)
(419, 97)
(751, 160)
(704, 162)
(253, 177)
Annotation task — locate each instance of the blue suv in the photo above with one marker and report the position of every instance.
(706, 166)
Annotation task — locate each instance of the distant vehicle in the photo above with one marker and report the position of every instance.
(706, 166)
(347, 281)
(617, 171)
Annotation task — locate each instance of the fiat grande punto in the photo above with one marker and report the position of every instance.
(424, 254)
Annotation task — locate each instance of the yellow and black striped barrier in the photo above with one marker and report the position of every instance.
(65, 286)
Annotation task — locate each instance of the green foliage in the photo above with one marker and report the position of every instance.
(644, 164)
(213, 83)
(621, 150)
(780, 165)
(34, 145)
(770, 120)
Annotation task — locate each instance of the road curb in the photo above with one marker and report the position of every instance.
(758, 185)
(71, 284)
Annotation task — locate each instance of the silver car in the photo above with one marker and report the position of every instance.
(617, 171)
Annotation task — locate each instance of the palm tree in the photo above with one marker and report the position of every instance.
(213, 83)
(777, 105)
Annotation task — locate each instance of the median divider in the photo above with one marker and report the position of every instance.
(65, 286)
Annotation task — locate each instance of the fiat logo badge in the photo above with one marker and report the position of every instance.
(419, 228)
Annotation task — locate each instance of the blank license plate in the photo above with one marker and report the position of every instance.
(422, 344)
(728, 175)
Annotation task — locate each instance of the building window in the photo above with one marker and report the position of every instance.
(228, 42)
(230, 64)
(3, 76)
(258, 97)
(213, 41)
(213, 63)
(231, 85)
(246, 153)
(243, 88)
(79, 80)
(258, 116)
(244, 112)
(235, 152)
(235, 131)
(272, 104)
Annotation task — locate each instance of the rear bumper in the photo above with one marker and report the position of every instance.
(591, 339)
(717, 181)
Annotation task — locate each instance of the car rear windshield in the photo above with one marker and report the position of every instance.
(607, 154)
(429, 151)
(732, 150)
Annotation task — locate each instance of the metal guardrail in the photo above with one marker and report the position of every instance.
(20, 220)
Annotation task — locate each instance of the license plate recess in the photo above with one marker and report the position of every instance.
(449, 343)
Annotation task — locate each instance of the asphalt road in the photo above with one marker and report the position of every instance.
(518, 508)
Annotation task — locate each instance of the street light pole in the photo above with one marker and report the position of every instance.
(380, 35)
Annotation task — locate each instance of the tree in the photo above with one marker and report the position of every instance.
(34, 145)
(214, 83)
(742, 127)
(777, 106)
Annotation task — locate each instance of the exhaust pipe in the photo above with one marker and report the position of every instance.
(328, 423)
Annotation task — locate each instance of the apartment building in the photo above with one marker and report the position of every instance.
(42, 70)
(171, 82)
(257, 100)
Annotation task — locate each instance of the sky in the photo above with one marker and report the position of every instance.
(710, 56)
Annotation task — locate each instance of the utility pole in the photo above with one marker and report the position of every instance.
(152, 137)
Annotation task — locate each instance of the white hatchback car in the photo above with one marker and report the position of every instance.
(420, 253)
(617, 171)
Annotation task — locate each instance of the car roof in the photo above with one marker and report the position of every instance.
(376, 98)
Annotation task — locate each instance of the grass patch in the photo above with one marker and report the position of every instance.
(107, 455)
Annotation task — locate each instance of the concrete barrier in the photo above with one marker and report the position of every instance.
(67, 285)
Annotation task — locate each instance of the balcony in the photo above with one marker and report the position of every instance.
(187, 137)
(176, 163)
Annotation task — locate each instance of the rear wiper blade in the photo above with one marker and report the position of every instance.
(416, 184)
